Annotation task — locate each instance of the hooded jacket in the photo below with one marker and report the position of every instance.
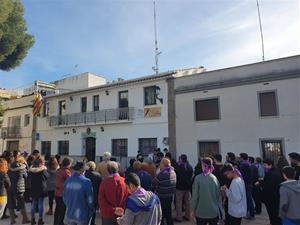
(142, 208)
(38, 179)
(290, 200)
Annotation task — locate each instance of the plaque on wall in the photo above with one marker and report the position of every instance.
(152, 112)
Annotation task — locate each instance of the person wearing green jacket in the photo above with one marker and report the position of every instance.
(206, 203)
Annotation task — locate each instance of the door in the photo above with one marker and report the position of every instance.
(12, 146)
(90, 148)
(272, 149)
(123, 105)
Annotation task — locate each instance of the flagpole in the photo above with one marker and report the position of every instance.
(261, 32)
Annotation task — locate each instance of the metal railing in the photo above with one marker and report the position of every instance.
(11, 132)
(96, 117)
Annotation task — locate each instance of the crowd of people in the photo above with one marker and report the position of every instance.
(147, 192)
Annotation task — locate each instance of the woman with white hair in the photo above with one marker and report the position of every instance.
(96, 179)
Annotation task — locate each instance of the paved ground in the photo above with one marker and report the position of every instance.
(260, 220)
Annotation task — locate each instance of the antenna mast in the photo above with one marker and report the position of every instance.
(157, 53)
(261, 32)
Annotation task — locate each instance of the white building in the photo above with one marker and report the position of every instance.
(250, 108)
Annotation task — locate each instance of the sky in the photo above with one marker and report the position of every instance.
(115, 38)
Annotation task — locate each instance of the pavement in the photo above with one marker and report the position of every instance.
(259, 220)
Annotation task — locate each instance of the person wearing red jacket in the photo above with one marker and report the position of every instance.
(112, 194)
(62, 174)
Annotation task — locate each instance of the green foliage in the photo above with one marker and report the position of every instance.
(14, 39)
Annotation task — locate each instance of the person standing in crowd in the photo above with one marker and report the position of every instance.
(206, 203)
(255, 190)
(281, 163)
(57, 156)
(52, 167)
(149, 167)
(230, 158)
(38, 178)
(164, 185)
(270, 191)
(289, 209)
(78, 197)
(236, 194)
(295, 162)
(217, 162)
(130, 168)
(4, 185)
(61, 176)
(260, 167)
(112, 194)
(184, 173)
(17, 174)
(102, 166)
(246, 172)
(96, 179)
(145, 178)
(169, 156)
(142, 207)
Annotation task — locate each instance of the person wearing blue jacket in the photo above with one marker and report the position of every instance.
(78, 197)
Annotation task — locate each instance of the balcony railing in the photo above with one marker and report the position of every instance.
(97, 117)
(11, 132)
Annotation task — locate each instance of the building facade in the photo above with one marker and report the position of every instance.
(252, 108)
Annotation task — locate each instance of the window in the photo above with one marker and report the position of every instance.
(12, 145)
(14, 121)
(63, 147)
(207, 109)
(46, 147)
(45, 109)
(272, 149)
(83, 104)
(268, 104)
(96, 102)
(208, 148)
(62, 107)
(26, 120)
(150, 95)
(119, 147)
(123, 99)
(147, 145)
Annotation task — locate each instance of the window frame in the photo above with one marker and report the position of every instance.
(155, 97)
(81, 104)
(62, 112)
(59, 149)
(150, 138)
(276, 102)
(26, 120)
(98, 103)
(119, 98)
(112, 147)
(279, 139)
(208, 141)
(205, 99)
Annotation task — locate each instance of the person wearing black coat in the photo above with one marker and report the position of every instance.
(17, 174)
(96, 180)
(4, 185)
(38, 178)
(184, 176)
(270, 191)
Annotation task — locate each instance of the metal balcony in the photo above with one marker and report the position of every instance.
(11, 132)
(96, 117)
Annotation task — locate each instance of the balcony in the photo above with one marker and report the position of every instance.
(11, 132)
(97, 117)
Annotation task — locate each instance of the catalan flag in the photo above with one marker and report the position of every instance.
(37, 105)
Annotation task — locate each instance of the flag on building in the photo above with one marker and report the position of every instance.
(37, 105)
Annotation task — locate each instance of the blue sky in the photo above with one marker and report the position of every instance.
(114, 38)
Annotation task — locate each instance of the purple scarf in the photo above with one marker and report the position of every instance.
(267, 170)
(183, 164)
(140, 192)
(207, 169)
(167, 169)
(236, 171)
(114, 175)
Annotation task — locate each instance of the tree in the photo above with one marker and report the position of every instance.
(14, 39)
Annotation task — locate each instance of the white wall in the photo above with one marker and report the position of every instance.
(240, 127)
